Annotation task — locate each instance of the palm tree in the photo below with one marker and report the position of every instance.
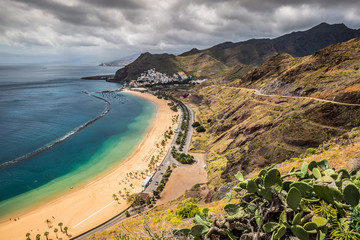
(114, 196)
(38, 236)
(46, 234)
(65, 229)
(28, 236)
(60, 225)
(55, 231)
(48, 222)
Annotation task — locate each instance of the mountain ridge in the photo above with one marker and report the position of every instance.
(225, 56)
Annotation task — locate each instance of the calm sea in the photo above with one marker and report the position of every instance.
(42, 104)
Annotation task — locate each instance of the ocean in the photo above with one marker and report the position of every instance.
(59, 132)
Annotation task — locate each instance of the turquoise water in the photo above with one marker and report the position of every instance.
(34, 113)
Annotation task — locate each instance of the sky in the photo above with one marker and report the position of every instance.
(94, 31)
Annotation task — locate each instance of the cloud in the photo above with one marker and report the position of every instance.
(127, 26)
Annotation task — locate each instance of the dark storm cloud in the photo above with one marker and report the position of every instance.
(161, 25)
(76, 15)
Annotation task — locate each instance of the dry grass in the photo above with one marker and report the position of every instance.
(342, 154)
(159, 220)
(353, 88)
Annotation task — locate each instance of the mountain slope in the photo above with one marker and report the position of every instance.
(251, 128)
(297, 44)
(300, 44)
(226, 56)
(331, 73)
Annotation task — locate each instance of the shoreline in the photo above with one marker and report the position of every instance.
(92, 203)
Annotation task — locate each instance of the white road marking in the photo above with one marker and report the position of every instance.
(93, 214)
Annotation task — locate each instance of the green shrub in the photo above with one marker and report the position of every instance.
(195, 124)
(187, 210)
(195, 187)
(310, 151)
(200, 129)
(354, 134)
(127, 214)
(174, 108)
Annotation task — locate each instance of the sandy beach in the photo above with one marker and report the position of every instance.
(92, 204)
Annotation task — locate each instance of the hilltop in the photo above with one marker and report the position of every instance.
(231, 60)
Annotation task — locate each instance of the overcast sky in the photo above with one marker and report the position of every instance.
(92, 31)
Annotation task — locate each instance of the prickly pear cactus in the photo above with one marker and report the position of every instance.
(306, 203)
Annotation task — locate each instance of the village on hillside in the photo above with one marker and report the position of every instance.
(152, 77)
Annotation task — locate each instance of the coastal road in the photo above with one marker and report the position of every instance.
(258, 92)
(167, 161)
(189, 132)
(109, 223)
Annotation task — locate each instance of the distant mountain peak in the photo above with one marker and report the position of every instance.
(191, 52)
(327, 26)
(228, 55)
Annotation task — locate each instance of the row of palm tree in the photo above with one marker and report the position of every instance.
(46, 234)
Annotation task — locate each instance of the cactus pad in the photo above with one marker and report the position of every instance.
(293, 198)
(351, 194)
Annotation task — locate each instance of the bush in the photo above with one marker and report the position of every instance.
(310, 151)
(354, 134)
(127, 214)
(187, 210)
(182, 157)
(209, 120)
(174, 108)
(200, 129)
(195, 124)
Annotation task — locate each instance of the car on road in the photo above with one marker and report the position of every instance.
(156, 183)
